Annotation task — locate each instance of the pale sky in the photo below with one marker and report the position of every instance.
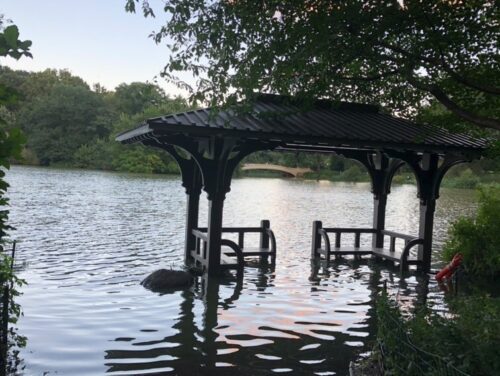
(94, 39)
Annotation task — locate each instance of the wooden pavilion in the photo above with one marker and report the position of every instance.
(208, 144)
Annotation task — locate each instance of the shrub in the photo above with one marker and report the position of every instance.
(406, 178)
(96, 155)
(478, 239)
(11, 143)
(465, 341)
(467, 179)
(353, 173)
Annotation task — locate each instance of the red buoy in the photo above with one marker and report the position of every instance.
(449, 269)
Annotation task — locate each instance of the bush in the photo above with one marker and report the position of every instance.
(353, 173)
(467, 179)
(97, 155)
(403, 179)
(465, 341)
(478, 239)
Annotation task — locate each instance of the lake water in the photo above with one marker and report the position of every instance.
(86, 240)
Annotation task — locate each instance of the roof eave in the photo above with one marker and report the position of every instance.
(131, 135)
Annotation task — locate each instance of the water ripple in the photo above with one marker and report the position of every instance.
(86, 240)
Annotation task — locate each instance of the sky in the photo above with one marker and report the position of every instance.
(94, 39)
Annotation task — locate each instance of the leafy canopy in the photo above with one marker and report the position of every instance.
(136, 97)
(400, 53)
(58, 123)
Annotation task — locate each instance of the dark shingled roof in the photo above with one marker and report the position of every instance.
(321, 124)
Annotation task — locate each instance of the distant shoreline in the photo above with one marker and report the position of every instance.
(464, 181)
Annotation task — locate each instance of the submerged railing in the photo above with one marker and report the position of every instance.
(321, 236)
(266, 249)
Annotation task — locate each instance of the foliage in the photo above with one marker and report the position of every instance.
(96, 155)
(69, 124)
(477, 239)
(403, 54)
(465, 341)
(10, 146)
(134, 98)
(11, 141)
(10, 312)
(354, 173)
(404, 178)
(10, 44)
(337, 163)
(61, 121)
(142, 160)
(466, 179)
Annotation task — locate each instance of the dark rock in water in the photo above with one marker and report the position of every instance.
(163, 280)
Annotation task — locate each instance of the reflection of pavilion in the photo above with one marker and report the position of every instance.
(191, 349)
(203, 345)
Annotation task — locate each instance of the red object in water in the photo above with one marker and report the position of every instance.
(448, 270)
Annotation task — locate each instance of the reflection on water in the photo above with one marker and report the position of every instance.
(88, 238)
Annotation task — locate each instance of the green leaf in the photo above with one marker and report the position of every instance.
(11, 35)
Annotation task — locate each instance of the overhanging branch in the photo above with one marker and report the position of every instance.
(445, 100)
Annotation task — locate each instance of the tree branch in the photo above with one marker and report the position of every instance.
(441, 62)
(467, 82)
(440, 95)
(369, 78)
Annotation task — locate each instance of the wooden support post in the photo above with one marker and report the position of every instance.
(429, 178)
(316, 239)
(379, 208)
(426, 226)
(214, 234)
(192, 208)
(193, 191)
(381, 170)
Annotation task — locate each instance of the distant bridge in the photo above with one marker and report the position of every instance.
(291, 171)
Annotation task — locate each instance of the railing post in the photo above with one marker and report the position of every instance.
(338, 239)
(357, 239)
(241, 239)
(265, 224)
(316, 238)
(392, 247)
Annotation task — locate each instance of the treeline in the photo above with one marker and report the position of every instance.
(68, 123)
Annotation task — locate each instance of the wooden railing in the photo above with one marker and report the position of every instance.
(338, 231)
(321, 235)
(267, 243)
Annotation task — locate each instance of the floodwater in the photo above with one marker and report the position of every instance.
(86, 240)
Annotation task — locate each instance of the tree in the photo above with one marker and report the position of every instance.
(58, 123)
(40, 84)
(136, 97)
(399, 53)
